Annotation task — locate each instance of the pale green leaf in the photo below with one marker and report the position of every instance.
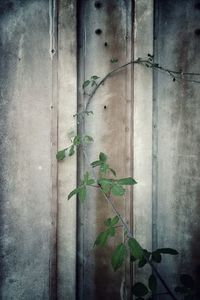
(127, 181)
(117, 190)
(74, 192)
(86, 83)
(135, 248)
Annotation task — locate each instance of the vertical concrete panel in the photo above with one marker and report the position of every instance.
(67, 107)
(25, 136)
(177, 136)
(104, 33)
(142, 129)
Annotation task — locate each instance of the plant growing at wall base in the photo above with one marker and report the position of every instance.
(102, 176)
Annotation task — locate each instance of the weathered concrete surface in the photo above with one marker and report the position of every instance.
(27, 219)
(142, 130)
(177, 136)
(67, 171)
(111, 127)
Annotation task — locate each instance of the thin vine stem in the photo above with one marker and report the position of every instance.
(149, 64)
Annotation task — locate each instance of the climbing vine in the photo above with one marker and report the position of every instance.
(107, 181)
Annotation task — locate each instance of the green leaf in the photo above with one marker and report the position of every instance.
(187, 281)
(113, 171)
(167, 251)
(111, 231)
(61, 154)
(87, 180)
(101, 239)
(96, 163)
(95, 77)
(74, 192)
(117, 190)
(114, 221)
(102, 157)
(105, 184)
(127, 181)
(87, 139)
(139, 289)
(156, 257)
(135, 248)
(114, 60)
(86, 83)
(118, 256)
(71, 150)
(90, 181)
(77, 140)
(143, 261)
(82, 193)
(152, 282)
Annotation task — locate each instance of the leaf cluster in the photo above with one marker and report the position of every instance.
(81, 190)
(76, 141)
(91, 81)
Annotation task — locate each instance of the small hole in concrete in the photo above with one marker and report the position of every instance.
(98, 4)
(105, 44)
(52, 51)
(105, 107)
(98, 31)
(197, 31)
(197, 6)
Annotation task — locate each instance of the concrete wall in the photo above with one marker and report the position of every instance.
(27, 216)
(147, 124)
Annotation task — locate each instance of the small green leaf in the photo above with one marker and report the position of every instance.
(71, 150)
(118, 256)
(74, 192)
(167, 251)
(114, 60)
(114, 221)
(143, 261)
(139, 289)
(82, 193)
(101, 239)
(117, 190)
(87, 139)
(152, 282)
(86, 83)
(156, 257)
(95, 77)
(113, 172)
(102, 157)
(61, 154)
(90, 182)
(187, 281)
(96, 163)
(127, 181)
(77, 140)
(135, 248)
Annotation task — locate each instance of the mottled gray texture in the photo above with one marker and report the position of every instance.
(25, 152)
(177, 136)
